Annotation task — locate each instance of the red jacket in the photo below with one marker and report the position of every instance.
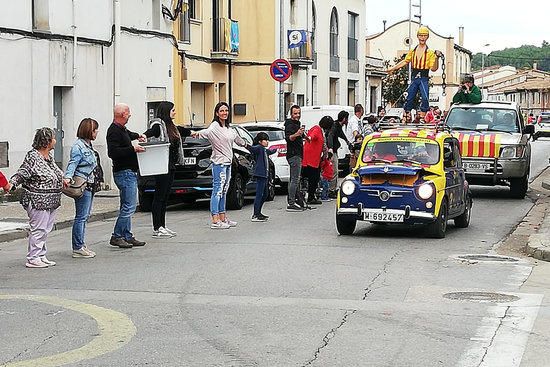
(327, 169)
(313, 147)
(3, 180)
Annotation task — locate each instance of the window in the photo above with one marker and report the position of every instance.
(313, 28)
(155, 15)
(194, 9)
(314, 90)
(293, 12)
(352, 36)
(40, 15)
(185, 24)
(334, 58)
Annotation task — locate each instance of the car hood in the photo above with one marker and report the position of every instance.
(394, 170)
(484, 144)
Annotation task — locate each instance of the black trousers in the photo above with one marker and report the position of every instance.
(313, 176)
(163, 184)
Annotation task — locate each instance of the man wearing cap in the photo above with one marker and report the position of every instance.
(468, 91)
(423, 60)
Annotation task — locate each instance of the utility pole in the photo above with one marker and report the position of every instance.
(281, 54)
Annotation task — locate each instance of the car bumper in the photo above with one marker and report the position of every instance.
(193, 187)
(410, 216)
(499, 169)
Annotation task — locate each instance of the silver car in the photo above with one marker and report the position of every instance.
(494, 144)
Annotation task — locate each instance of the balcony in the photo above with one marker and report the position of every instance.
(334, 63)
(300, 50)
(225, 42)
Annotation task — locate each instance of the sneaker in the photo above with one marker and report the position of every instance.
(257, 218)
(263, 217)
(83, 253)
(294, 208)
(132, 241)
(173, 233)
(327, 199)
(89, 251)
(219, 225)
(47, 262)
(119, 242)
(36, 263)
(315, 202)
(231, 223)
(161, 233)
(307, 207)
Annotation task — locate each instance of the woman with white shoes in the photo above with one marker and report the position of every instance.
(163, 129)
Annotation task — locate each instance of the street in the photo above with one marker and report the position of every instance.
(288, 292)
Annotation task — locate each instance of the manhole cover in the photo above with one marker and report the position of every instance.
(481, 297)
(488, 258)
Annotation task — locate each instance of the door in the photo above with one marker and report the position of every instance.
(58, 117)
(454, 185)
(198, 103)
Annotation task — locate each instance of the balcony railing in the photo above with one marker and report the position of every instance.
(300, 50)
(353, 66)
(225, 43)
(334, 63)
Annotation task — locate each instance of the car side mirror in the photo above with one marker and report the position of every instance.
(529, 129)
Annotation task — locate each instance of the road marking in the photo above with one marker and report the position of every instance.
(502, 336)
(115, 330)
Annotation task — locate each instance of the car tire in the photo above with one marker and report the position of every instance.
(271, 186)
(345, 226)
(438, 228)
(235, 195)
(463, 220)
(145, 202)
(519, 186)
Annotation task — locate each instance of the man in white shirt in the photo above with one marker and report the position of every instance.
(354, 124)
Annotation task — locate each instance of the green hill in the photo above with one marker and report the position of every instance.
(520, 57)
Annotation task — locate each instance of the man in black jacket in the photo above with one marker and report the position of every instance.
(125, 168)
(294, 132)
(333, 144)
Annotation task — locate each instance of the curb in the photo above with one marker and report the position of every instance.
(546, 185)
(536, 248)
(22, 233)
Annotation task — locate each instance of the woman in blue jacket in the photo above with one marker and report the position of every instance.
(82, 163)
(261, 173)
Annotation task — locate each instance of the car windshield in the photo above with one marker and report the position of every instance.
(273, 133)
(483, 119)
(404, 150)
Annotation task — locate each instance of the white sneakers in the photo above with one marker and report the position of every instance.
(220, 225)
(163, 233)
(41, 262)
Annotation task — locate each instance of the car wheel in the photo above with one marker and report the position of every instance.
(463, 220)
(271, 186)
(345, 225)
(235, 195)
(519, 186)
(438, 228)
(145, 202)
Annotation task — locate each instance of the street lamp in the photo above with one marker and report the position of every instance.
(483, 69)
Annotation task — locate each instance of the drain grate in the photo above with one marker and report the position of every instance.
(496, 258)
(481, 297)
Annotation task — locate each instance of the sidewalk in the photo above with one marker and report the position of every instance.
(538, 245)
(14, 220)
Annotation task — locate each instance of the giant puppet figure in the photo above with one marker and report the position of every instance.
(423, 60)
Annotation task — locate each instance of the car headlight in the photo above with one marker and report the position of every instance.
(348, 187)
(425, 191)
(512, 151)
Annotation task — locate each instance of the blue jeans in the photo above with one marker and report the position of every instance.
(126, 181)
(324, 185)
(83, 208)
(221, 176)
(261, 195)
(418, 84)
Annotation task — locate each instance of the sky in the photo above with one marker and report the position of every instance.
(500, 24)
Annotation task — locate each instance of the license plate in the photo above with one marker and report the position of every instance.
(189, 161)
(475, 166)
(383, 217)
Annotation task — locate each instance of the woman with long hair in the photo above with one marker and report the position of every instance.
(82, 163)
(163, 128)
(222, 137)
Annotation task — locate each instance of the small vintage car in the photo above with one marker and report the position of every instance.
(408, 176)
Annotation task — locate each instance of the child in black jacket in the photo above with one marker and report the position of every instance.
(261, 173)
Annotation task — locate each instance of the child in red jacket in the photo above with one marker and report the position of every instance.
(327, 170)
(4, 183)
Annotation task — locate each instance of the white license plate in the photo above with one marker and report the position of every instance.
(383, 217)
(189, 161)
(475, 166)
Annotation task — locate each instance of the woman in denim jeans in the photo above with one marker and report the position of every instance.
(82, 163)
(222, 137)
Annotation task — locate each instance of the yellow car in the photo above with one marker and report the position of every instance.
(408, 176)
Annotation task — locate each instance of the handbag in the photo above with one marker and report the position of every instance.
(76, 188)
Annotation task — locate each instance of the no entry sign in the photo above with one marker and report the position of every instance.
(280, 70)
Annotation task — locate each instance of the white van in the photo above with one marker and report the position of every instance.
(311, 115)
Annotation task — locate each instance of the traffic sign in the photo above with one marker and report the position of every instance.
(280, 70)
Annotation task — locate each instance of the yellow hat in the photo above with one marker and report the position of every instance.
(423, 31)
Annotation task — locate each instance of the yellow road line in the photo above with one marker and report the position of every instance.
(115, 330)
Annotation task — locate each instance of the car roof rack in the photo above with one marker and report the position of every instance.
(437, 127)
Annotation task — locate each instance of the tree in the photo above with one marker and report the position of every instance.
(519, 57)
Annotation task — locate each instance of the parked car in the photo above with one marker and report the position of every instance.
(276, 132)
(193, 180)
(494, 143)
(406, 176)
(542, 128)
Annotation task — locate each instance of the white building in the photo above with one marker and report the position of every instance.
(329, 67)
(71, 59)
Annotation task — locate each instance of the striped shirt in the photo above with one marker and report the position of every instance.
(425, 62)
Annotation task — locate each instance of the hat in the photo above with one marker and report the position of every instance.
(423, 31)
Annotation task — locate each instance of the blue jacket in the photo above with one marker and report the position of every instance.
(82, 161)
(260, 154)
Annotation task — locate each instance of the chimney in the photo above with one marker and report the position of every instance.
(461, 36)
(384, 25)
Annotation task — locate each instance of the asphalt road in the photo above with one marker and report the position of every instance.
(288, 292)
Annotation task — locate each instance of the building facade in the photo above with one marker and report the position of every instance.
(75, 59)
(394, 43)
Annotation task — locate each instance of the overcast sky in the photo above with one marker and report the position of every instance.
(501, 24)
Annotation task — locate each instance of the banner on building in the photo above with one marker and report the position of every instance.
(296, 38)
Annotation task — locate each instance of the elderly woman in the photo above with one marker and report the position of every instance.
(42, 181)
(82, 164)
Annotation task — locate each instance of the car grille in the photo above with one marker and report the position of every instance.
(396, 180)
